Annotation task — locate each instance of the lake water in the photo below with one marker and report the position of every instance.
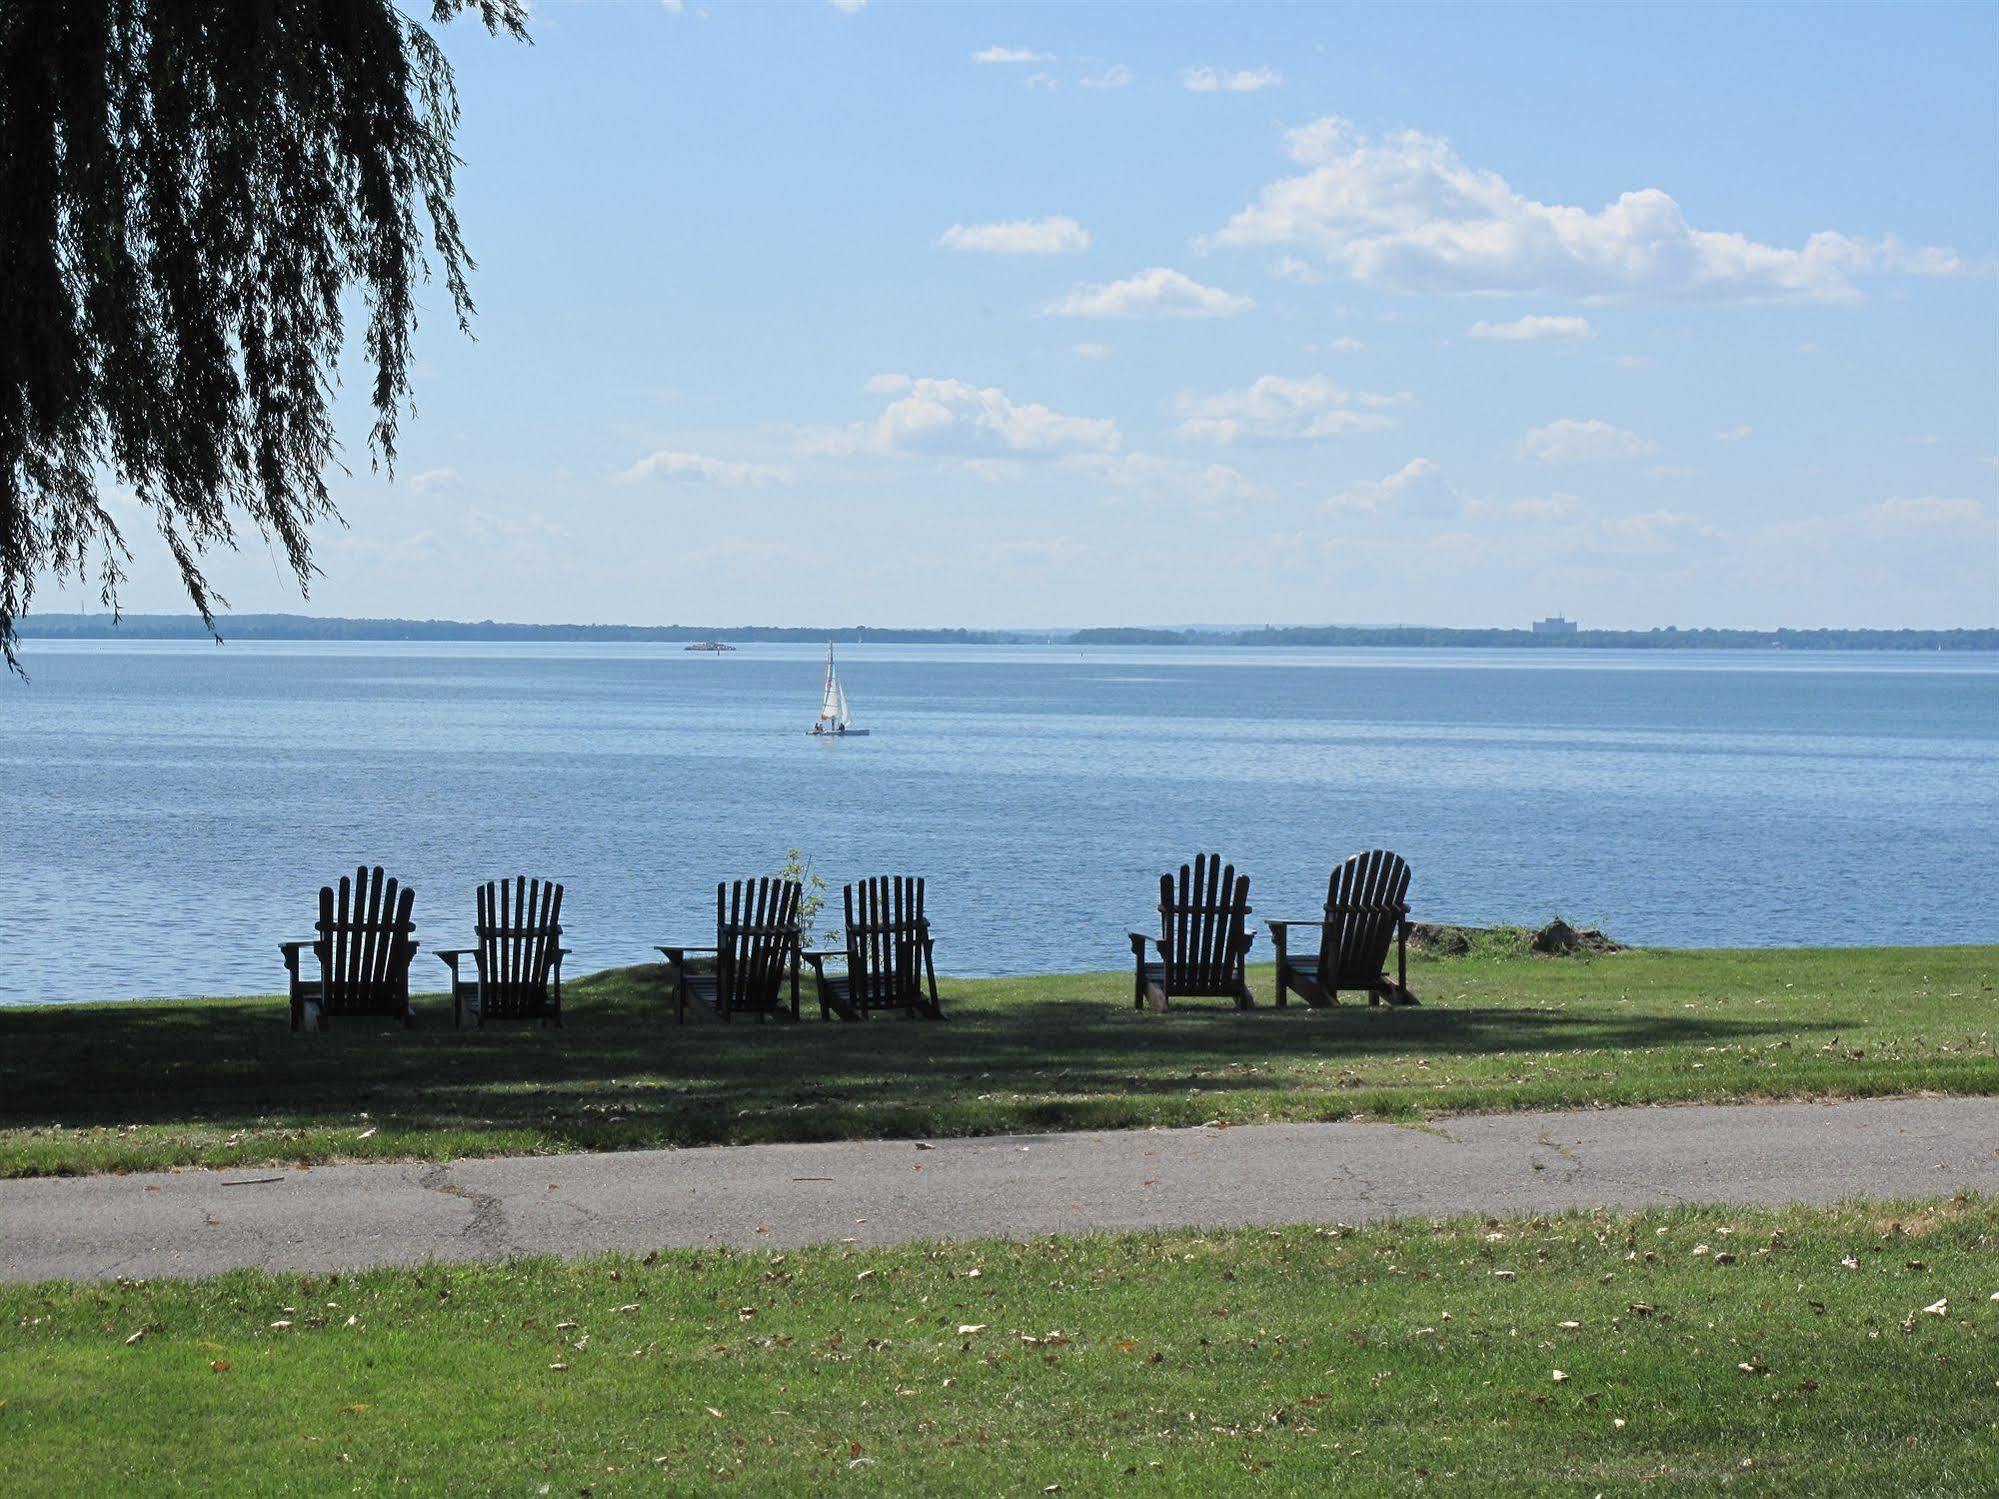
(172, 809)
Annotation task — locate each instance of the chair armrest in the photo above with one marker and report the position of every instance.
(817, 958)
(1277, 925)
(451, 955)
(679, 954)
(1138, 941)
(291, 950)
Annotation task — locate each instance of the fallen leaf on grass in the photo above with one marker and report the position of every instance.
(924, 1145)
(1939, 1308)
(712, 1411)
(1560, 1377)
(220, 1366)
(966, 1329)
(366, 1133)
(135, 1337)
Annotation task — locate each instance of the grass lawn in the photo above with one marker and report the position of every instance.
(1796, 1352)
(225, 1082)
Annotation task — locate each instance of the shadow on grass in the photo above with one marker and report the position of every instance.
(1067, 1054)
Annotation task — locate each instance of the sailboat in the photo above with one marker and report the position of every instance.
(833, 721)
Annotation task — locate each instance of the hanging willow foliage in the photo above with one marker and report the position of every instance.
(188, 190)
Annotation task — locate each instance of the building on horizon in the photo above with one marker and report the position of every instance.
(1554, 624)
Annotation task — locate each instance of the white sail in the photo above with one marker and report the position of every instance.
(833, 713)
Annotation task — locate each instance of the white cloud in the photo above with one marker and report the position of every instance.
(1575, 441)
(1405, 211)
(697, 468)
(1534, 328)
(1093, 351)
(1374, 496)
(955, 417)
(887, 384)
(1217, 81)
(1210, 483)
(1117, 75)
(1291, 268)
(1418, 486)
(1157, 292)
(1050, 236)
(1274, 408)
(1346, 344)
(675, 7)
(1011, 54)
(848, 7)
(1736, 433)
(1534, 508)
(1055, 551)
(434, 481)
(1921, 439)
(1047, 82)
(1653, 532)
(1928, 510)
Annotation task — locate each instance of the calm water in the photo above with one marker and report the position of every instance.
(172, 809)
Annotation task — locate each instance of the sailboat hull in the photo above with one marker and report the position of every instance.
(841, 734)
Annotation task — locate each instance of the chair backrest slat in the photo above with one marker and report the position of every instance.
(365, 944)
(1366, 898)
(520, 933)
(756, 941)
(1203, 921)
(885, 932)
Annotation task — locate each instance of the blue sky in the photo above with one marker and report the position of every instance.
(1025, 315)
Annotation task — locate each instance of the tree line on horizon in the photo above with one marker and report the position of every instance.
(1667, 637)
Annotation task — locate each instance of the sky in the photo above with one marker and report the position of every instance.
(874, 313)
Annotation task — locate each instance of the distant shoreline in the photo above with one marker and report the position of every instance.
(304, 627)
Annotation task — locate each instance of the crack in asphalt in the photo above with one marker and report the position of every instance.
(489, 1213)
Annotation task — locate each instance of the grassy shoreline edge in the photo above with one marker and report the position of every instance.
(222, 1082)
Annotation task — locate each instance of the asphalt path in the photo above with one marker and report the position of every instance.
(198, 1222)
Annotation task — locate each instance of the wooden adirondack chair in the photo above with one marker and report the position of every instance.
(889, 953)
(1203, 938)
(364, 950)
(1365, 911)
(756, 949)
(518, 962)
